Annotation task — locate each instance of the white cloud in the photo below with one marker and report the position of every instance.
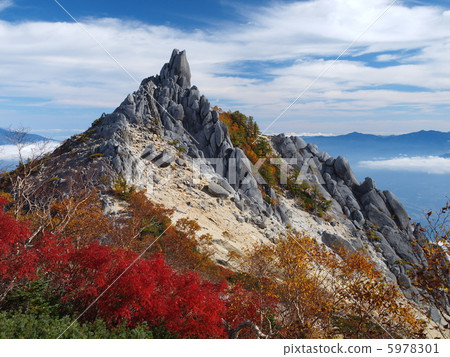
(5, 4)
(310, 134)
(59, 63)
(11, 153)
(387, 58)
(427, 164)
(55, 130)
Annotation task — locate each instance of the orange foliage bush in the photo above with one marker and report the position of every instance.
(324, 295)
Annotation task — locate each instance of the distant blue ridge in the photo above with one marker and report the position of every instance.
(367, 146)
(29, 138)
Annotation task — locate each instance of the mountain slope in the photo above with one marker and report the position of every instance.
(165, 138)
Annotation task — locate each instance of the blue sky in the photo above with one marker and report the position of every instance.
(256, 57)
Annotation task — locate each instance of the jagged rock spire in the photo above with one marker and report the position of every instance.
(177, 69)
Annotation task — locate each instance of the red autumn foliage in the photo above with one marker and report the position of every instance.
(148, 291)
(242, 305)
(133, 290)
(17, 261)
(249, 305)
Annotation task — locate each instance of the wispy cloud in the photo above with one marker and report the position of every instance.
(56, 130)
(57, 62)
(387, 58)
(5, 4)
(427, 164)
(310, 134)
(11, 153)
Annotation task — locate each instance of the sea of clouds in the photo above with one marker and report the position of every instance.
(11, 152)
(425, 164)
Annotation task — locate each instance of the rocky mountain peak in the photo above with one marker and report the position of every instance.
(178, 69)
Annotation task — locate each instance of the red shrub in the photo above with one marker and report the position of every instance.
(248, 305)
(148, 291)
(17, 261)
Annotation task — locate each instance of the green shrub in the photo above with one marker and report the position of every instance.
(96, 156)
(121, 188)
(29, 326)
(309, 197)
(373, 237)
(35, 298)
(96, 122)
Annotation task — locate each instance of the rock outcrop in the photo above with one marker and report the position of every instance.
(364, 206)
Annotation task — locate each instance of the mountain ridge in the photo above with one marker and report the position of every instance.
(165, 138)
(422, 142)
(6, 137)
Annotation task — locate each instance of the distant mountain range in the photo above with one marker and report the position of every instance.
(9, 154)
(367, 146)
(5, 136)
